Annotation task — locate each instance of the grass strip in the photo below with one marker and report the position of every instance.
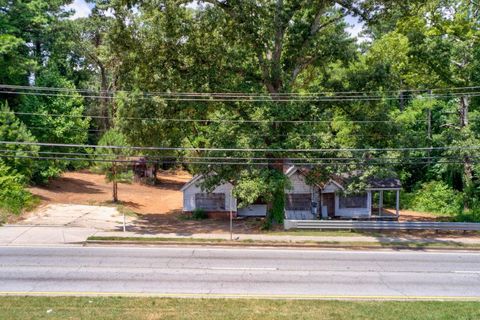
(250, 242)
(105, 308)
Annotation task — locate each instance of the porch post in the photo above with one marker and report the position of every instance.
(397, 207)
(380, 203)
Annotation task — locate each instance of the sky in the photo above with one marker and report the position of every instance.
(82, 10)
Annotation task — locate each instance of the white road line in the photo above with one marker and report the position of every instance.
(467, 271)
(242, 269)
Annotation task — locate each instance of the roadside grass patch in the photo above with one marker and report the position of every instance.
(322, 233)
(107, 308)
(410, 244)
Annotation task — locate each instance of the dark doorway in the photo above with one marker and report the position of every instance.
(328, 200)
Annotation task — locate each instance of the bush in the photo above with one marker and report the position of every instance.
(437, 197)
(13, 196)
(199, 214)
(468, 216)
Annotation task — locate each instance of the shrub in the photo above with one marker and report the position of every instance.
(437, 197)
(199, 214)
(468, 216)
(13, 196)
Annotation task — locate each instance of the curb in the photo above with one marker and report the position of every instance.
(275, 245)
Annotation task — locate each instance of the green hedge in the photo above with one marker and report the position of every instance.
(435, 197)
(14, 198)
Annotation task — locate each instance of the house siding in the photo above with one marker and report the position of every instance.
(190, 191)
(299, 185)
(254, 210)
(348, 212)
(353, 212)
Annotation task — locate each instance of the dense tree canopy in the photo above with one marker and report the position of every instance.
(409, 80)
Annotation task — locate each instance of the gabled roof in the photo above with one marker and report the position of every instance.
(344, 179)
(194, 180)
(291, 170)
(191, 182)
(384, 183)
(339, 185)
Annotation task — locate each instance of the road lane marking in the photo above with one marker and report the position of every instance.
(467, 271)
(240, 269)
(239, 296)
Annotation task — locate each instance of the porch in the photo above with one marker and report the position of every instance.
(368, 206)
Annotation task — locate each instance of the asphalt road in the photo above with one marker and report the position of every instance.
(185, 271)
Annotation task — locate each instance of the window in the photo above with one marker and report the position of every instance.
(298, 201)
(210, 201)
(354, 201)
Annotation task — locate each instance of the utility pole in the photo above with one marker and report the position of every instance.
(231, 215)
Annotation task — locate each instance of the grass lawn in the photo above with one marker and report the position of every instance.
(198, 309)
(323, 233)
(249, 242)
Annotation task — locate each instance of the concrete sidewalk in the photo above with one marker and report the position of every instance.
(15, 235)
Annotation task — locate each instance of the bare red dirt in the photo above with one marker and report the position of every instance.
(90, 188)
(159, 207)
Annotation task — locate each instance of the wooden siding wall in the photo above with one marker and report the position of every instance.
(300, 186)
(189, 196)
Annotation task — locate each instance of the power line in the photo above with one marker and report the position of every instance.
(225, 158)
(202, 120)
(320, 150)
(241, 94)
(246, 99)
(229, 163)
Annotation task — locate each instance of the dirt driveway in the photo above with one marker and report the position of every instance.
(76, 215)
(159, 207)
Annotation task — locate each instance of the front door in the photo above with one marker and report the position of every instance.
(328, 200)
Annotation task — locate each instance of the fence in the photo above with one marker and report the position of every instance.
(379, 225)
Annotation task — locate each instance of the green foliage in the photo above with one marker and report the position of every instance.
(13, 196)
(114, 167)
(133, 47)
(438, 198)
(472, 215)
(277, 212)
(12, 129)
(199, 214)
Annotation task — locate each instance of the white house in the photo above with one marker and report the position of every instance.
(218, 202)
(306, 201)
(303, 200)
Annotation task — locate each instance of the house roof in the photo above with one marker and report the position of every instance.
(344, 179)
(384, 183)
(341, 180)
(192, 181)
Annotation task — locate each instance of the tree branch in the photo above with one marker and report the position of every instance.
(302, 62)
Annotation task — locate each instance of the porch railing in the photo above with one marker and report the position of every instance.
(380, 225)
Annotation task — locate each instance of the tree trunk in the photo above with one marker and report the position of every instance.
(114, 180)
(115, 191)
